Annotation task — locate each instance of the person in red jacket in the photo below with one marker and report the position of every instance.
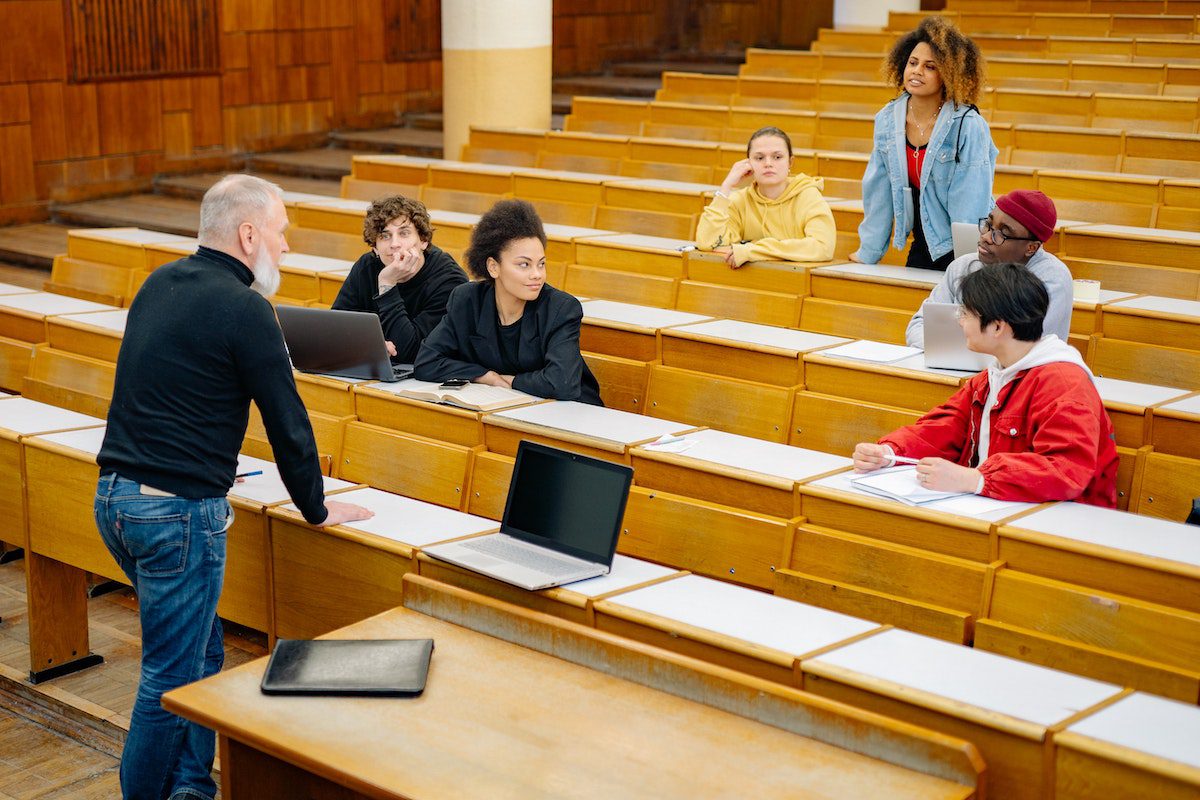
(1031, 427)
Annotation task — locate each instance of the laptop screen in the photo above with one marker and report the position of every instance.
(566, 501)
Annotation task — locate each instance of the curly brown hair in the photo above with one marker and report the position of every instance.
(387, 209)
(502, 223)
(958, 59)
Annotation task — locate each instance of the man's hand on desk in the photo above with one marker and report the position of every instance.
(344, 512)
(941, 475)
(869, 456)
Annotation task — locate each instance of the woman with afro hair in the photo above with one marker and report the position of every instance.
(509, 328)
(933, 158)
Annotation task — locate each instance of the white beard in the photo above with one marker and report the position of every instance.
(266, 275)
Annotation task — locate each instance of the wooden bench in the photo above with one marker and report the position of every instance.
(749, 408)
(421, 468)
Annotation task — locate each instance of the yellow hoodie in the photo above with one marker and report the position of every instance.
(796, 226)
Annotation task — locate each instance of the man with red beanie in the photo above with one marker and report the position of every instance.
(1013, 233)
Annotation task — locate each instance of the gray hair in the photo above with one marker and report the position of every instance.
(231, 201)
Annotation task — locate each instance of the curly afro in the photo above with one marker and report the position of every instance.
(502, 223)
(958, 59)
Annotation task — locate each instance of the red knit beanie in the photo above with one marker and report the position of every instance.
(1032, 209)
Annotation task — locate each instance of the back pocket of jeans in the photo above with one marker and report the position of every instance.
(158, 544)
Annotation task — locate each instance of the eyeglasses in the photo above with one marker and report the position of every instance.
(962, 313)
(1000, 237)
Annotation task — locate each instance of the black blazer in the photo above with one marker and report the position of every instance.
(464, 345)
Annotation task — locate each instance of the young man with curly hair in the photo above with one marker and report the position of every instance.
(405, 279)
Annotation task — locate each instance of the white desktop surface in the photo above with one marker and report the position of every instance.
(917, 363)
(976, 678)
(302, 261)
(87, 440)
(625, 572)
(746, 614)
(763, 335)
(598, 422)
(872, 352)
(1120, 530)
(756, 455)
(640, 240)
(453, 217)
(1156, 234)
(24, 417)
(295, 198)
(129, 235)
(642, 316)
(49, 304)
(268, 488)
(911, 274)
(473, 166)
(555, 231)
(1107, 296)
(678, 187)
(1189, 405)
(412, 522)
(1168, 305)
(108, 320)
(1149, 724)
(9, 288)
(340, 203)
(975, 506)
(1136, 394)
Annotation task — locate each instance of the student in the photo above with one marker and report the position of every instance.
(510, 328)
(776, 218)
(1013, 233)
(405, 280)
(933, 158)
(1031, 427)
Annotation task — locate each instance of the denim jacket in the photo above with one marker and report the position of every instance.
(956, 179)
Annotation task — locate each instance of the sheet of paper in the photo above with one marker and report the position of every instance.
(900, 483)
(877, 352)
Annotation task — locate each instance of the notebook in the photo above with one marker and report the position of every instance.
(377, 667)
(945, 343)
(899, 483)
(560, 525)
(473, 396)
(965, 236)
(348, 344)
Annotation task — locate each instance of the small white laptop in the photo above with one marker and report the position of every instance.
(945, 344)
(965, 236)
(561, 521)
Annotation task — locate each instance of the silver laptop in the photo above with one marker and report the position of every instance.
(945, 344)
(345, 343)
(965, 236)
(561, 521)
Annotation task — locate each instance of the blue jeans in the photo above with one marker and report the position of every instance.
(172, 549)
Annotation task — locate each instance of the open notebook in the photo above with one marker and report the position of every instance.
(474, 396)
(899, 483)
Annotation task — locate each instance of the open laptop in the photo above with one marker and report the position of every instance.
(965, 236)
(344, 343)
(561, 521)
(945, 344)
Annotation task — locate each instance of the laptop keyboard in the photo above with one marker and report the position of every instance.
(527, 557)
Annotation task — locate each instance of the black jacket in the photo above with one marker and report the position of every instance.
(199, 345)
(465, 344)
(408, 311)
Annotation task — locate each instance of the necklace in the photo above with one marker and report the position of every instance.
(921, 128)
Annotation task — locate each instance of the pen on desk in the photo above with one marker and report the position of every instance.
(248, 474)
(905, 460)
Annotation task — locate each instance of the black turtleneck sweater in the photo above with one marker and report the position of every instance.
(199, 345)
(408, 311)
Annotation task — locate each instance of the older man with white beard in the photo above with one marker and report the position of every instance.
(201, 342)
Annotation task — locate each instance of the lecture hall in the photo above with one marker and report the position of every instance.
(862, 336)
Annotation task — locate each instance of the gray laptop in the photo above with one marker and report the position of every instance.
(561, 521)
(945, 344)
(965, 236)
(345, 343)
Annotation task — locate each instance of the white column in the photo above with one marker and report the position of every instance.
(869, 13)
(496, 67)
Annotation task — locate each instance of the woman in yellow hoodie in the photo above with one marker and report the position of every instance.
(776, 218)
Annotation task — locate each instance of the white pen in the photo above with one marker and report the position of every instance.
(905, 460)
(666, 439)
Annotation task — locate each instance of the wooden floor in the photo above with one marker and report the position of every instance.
(78, 721)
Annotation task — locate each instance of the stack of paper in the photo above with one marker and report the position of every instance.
(900, 483)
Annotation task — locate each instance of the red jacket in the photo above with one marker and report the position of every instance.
(1050, 439)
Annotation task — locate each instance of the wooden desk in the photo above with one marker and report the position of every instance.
(902, 288)
(97, 334)
(300, 275)
(1140, 746)
(411, 170)
(743, 350)
(1175, 427)
(1143, 557)
(907, 384)
(727, 625)
(329, 284)
(378, 404)
(1132, 245)
(563, 185)
(632, 252)
(466, 737)
(329, 394)
(1007, 708)
(627, 330)
(1165, 321)
(452, 228)
(23, 316)
(574, 602)
(1128, 404)
(732, 470)
(323, 578)
(561, 239)
(1085, 314)
(592, 430)
(652, 194)
(121, 247)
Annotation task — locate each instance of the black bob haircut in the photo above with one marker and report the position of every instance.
(1007, 293)
(504, 222)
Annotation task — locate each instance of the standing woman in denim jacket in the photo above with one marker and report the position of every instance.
(933, 158)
